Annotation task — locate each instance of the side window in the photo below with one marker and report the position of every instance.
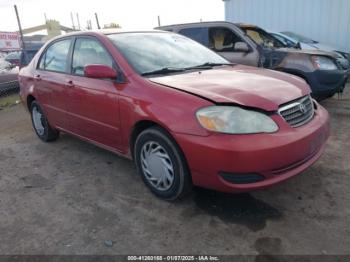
(56, 56)
(223, 39)
(89, 51)
(199, 34)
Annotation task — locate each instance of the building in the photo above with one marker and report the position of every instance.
(52, 27)
(327, 21)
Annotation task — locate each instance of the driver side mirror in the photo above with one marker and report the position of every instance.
(100, 71)
(241, 47)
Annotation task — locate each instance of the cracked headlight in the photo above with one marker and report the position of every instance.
(235, 120)
(323, 63)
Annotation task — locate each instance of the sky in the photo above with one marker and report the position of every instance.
(129, 14)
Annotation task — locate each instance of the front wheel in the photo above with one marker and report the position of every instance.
(161, 164)
(40, 124)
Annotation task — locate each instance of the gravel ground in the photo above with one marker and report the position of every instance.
(70, 197)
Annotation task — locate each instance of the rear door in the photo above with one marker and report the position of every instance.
(93, 111)
(50, 81)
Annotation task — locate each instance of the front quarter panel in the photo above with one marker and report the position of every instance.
(174, 110)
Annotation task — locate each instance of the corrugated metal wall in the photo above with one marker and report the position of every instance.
(327, 21)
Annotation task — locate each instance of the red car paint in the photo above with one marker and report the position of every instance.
(105, 113)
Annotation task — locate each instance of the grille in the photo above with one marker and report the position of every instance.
(298, 112)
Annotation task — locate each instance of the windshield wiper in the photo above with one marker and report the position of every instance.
(163, 71)
(207, 65)
(168, 70)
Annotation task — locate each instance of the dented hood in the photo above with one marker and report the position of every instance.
(310, 52)
(243, 85)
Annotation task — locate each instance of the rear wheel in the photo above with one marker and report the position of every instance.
(161, 164)
(40, 124)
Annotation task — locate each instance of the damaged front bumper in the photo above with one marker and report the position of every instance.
(326, 83)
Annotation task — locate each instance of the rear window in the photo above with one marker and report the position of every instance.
(199, 34)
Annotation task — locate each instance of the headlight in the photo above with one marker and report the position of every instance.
(235, 120)
(323, 63)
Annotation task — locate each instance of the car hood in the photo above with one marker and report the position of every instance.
(310, 52)
(243, 85)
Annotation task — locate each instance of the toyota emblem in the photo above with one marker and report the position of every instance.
(302, 108)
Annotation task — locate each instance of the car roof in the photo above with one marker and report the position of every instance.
(102, 32)
(245, 25)
(108, 32)
(195, 23)
(239, 25)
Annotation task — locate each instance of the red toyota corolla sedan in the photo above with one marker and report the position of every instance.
(183, 113)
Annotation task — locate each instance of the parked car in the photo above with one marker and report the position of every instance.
(8, 71)
(8, 77)
(251, 45)
(308, 44)
(313, 44)
(13, 58)
(183, 113)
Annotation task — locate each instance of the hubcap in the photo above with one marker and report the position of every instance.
(38, 121)
(157, 166)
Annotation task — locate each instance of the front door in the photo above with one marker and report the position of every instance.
(222, 40)
(93, 111)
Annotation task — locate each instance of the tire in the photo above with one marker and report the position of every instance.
(157, 156)
(40, 124)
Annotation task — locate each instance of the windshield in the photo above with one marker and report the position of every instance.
(300, 38)
(287, 41)
(148, 52)
(263, 38)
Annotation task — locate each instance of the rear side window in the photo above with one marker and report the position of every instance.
(199, 34)
(223, 39)
(88, 51)
(55, 57)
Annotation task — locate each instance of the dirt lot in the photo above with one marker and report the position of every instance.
(69, 197)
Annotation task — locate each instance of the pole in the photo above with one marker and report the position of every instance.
(88, 22)
(158, 20)
(97, 22)
(78, 21)
(20, 27)
(71, 17)
(21, 34)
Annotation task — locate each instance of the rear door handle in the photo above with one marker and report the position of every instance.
(37, 77)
